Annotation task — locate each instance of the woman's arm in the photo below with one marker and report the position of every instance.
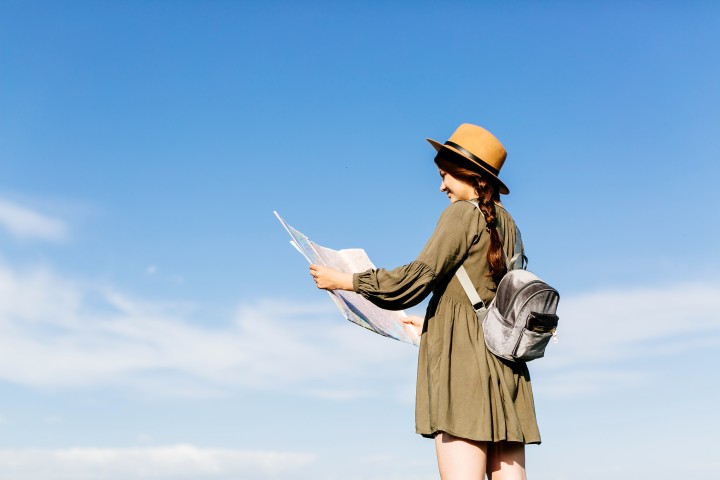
(328, 279)
(408, 285)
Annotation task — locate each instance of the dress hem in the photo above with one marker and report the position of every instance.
(454, 434)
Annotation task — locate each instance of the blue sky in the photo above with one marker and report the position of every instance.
(157, 324)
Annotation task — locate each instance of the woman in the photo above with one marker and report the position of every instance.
(478, 407)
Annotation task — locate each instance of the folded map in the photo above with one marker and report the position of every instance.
(353, 306)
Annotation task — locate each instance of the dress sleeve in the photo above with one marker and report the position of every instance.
(406, 286)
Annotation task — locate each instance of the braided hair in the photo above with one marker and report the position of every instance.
(487, 192)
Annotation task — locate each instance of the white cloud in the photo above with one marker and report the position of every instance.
(62, 333)
(57, 332)
(640, 322)
(25, 223)
(165, 462)
(601, 333)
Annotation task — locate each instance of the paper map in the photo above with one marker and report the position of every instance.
(353, 306)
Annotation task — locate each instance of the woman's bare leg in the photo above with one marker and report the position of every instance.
(459, 458)
(506, 461)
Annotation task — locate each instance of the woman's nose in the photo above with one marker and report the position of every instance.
(442, 186)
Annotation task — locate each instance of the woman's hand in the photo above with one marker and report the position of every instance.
(414, 322)
(329, 279)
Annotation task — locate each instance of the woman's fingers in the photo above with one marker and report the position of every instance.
(316, 270)
(314, 274)
(321, 275)
(414, 322)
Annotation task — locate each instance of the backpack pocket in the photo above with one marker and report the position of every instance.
(516, 343)
(538, 331)
(531, 345)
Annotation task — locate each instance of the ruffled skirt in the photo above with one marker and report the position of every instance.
(465, 390)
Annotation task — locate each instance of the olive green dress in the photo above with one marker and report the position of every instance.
(462, 388)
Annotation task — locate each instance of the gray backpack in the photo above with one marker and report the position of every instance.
(521, 319)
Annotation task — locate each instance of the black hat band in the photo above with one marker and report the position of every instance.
(473, 157)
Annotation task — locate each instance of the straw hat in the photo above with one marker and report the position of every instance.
(480, 147)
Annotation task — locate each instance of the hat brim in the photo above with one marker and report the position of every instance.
(438, 146)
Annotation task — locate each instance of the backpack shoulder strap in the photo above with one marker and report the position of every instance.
(464, 278)
(519, 260)
(469, 288)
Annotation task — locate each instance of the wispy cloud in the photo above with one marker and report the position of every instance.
(638, 322)
(600, 333)
(22, 222)
(165, 462)
(58, 332)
